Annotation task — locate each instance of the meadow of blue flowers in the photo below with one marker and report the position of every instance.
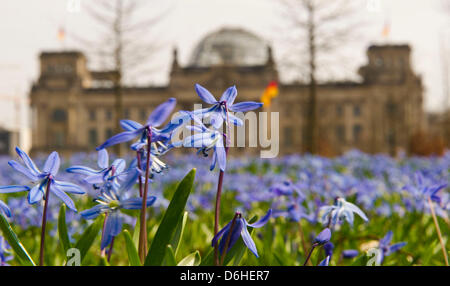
(356, 209)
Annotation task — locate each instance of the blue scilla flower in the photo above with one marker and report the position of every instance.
(42, 180)
(323, 237)
(205, 140)
(110, 201)
(325, 262)
(219, 111)
(116, 169)
(5, 254)
(386, 248)
(135, 129)
(422, 189)
(349, 253)
(5, 209)
(341, 210)
(239, 229)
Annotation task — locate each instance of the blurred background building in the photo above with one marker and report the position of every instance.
(73, 107)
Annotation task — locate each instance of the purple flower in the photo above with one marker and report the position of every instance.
(219, 111)
(42, 180)
(239, 229)
(349, 253)
(135, 129)
(386, 248)
(323, 237)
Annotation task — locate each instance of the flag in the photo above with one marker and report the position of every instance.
(270, 92)
(61, 34)
(386, 29)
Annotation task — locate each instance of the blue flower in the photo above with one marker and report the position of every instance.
(323, 237)
(219, 111)
(239, 229)
(5, 209)
(42, 180)
(328, 248)
(325, 262)
(341, 210)
(206, 140)
(424, 189)
(4, 252)
(110, 202)
(135, 129)
(386, 248)
(350, 253)
(116, 169)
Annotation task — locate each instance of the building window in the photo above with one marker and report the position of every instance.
(126, 113)
(340, 133)
(59, 138)
(92, 114)
(357, 131)
(109, 133)
(93, 137)
(109, 115)
(143, 114)
(356, 110)
(339, 110)
(59, 115)
(288, 136)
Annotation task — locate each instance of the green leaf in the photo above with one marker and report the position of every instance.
(209, 259)
(62, 230)
(169, 257)
(14, 242)
(192, 259)
(166, 229)
(136, 233)
(88, 237)
(178, 235)
(133, 256)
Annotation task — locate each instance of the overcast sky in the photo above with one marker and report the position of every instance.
(30, 27)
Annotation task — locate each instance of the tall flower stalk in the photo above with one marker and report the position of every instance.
(438, 230)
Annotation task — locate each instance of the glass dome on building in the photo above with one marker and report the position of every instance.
(230, 47)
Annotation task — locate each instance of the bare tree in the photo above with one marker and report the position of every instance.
(121, 47)
(319, 27)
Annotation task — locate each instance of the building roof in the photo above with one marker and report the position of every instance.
(230, 46)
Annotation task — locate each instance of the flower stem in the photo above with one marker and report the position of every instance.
(110, 249)
(227, 242)
(309, 254)
(217, 212)
(44, 223)
(143, 225)
(438, 230)
(138, 157)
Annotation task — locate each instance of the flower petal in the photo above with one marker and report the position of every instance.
(93, 212)
(63, 197)
(36, 194)
(221, 157)
(249, 241)
(220, 233)
(120, 138)
(82, 170)
(52, 164)
(28, 162)
(229, 95)
(245, 106)
(69, 187)
(103, 159)
(13, 189)
(20, 168)
(130, 125)
(262, 221)
(356, 210)
(5, 209)
(235, 233)
(161, 113)
(204, 94)
(136, 203)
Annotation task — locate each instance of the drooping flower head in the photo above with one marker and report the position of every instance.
(323, 237)
(341, 210)
(41, 180)
(238, 227)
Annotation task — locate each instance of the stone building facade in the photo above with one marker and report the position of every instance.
(73, 107)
